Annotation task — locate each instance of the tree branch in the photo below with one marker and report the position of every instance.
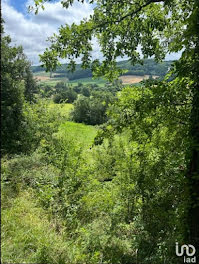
(131, 13)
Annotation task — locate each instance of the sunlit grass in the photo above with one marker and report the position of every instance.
(27, 234)
(81, 133)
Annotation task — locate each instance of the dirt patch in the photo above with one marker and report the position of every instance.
(42, 78)
(130, 79)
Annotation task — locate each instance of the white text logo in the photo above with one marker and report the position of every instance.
(189, 250)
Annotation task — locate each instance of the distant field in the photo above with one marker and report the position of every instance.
(49, 81)
(42, 74)
(44, 77)
(88, 80)
(131, 79)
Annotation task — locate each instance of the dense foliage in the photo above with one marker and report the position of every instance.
(92, 110)
(64, 93)
(121, 193)
(18, 86)
(120, 201)
(90, 101)
(155, 27)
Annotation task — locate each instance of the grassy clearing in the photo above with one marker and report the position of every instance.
(81, 133)
(27, 234)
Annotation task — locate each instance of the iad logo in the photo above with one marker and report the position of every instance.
(190, 252)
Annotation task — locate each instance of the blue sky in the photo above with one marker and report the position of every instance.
(19, 5)
(31, 31)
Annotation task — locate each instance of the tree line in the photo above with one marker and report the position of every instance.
(149, 67)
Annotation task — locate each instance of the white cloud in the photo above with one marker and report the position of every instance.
(31, 31)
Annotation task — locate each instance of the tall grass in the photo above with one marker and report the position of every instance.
(81, 133)
(27, 234)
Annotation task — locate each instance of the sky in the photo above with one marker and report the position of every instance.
(31, 31)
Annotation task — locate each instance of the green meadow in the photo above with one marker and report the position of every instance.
(84, 81)
(89, 80)
(80, 133)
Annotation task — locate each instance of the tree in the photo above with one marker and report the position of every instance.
(57, 98)
(64, 93)
(92, 110)
(13, 67)
(85, 91)
(81, 112)
(30, 85)
(158, 27)
(60, 87)
(153, 119)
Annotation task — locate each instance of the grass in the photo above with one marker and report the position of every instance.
(81, 133)
(27, 234)
(53, 81)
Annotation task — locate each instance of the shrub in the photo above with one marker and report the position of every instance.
(40, 122)
(57, 98)
(92, 110)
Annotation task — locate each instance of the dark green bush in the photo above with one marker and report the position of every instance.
(92, 110)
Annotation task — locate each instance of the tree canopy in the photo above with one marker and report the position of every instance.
(12, 70)
(123, 28)
(18, 86)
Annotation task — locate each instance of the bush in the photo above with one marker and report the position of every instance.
(92, 110)
(57, 98)
(68, 95)
(85, 91)
(40, 122)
